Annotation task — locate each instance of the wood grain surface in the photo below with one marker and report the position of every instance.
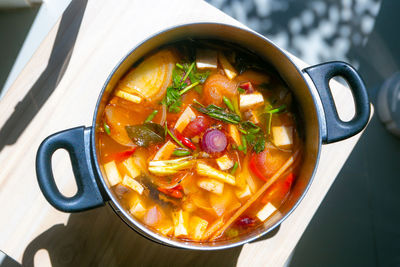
(57, 90)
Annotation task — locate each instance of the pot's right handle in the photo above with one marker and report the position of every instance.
(76, 142)
(336, 128)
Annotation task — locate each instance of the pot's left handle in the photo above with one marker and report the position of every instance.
(77, 143)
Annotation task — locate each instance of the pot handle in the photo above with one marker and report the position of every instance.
(336, 128)
(77, 143)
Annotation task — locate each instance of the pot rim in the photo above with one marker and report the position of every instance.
(140, 227)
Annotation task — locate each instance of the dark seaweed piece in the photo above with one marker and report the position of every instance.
(146, 134)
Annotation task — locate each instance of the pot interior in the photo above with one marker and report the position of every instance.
(290, 75)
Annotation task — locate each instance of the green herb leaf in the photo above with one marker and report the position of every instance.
(276, 110)
(107, 128)
(146, 134)
(234, 168)
(172, 100)
(218, 113)
(228, 103)
(241, 90)
(151, 116)
(255, 136)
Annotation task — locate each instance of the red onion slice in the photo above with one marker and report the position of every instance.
(214, 141)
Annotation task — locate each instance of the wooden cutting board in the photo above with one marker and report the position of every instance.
(58, 89)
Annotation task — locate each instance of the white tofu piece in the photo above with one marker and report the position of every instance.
(247, 101)
(266, 211)
(211, 185)
(138, 209)
(165, 151)
(229, 70)
(197, 227)
(187, 116)
(181, 221)
(243, 193)
(133, 184)
(130, 166)
(224, 162)
(282, 136)
(206, 59)
(112, 173)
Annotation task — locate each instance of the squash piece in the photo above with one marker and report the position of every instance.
(197, 227)
(229, 70)
(165, 151)
(266, 211)
(181, 221)
(205, 170)
(206, 59)
(224, 162)
(133, 184)
(187, 116)
(127, 96)
(165, 228)
(150, 79)
(112, 173)
(282, 136)
(211, 185)
(131, 168)
(234, 133)
(247, 101)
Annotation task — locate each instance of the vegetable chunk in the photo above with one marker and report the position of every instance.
(266, 211)
(181, 221)
(282, 136)
(205, 170)
(247, 101)
(165, 151)
(186, 117)
(112, 173)
(150, 79)
(211, 185)
(131, 168)
(197, 227)
(133, 184)
(206, 59)
(229, 70)
(225, 163)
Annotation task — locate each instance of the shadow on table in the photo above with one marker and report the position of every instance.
(45, 85)
(99, 238)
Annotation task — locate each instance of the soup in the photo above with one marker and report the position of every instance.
(199, 141)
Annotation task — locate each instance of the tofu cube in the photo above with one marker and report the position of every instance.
(131, 168)
(206, 59)
(247, 101)
(243, 193)
(282, 136)
(197, 227)
(187, 116)
(224, 162)
(133, 184)
(165, 151)
(211, 185)
(266, 211)
(112, 173)
(181, 220)
(229, 70)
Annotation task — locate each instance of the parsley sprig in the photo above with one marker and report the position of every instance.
(179, 86)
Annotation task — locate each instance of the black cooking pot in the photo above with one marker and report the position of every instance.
(315, 104)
